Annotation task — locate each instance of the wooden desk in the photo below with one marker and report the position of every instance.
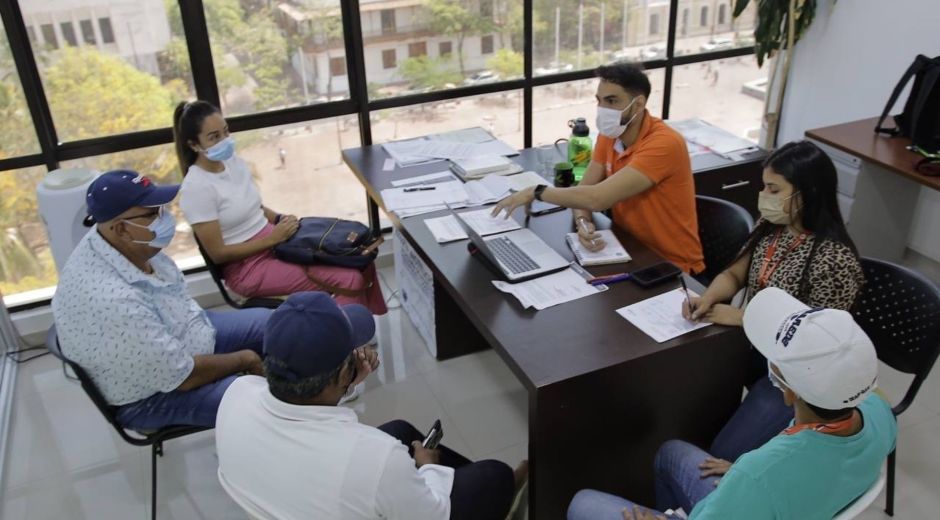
(603, 396)
(887, 188)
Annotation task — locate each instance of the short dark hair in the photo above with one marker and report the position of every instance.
(828, 415)
(299, 390)
(628, 75)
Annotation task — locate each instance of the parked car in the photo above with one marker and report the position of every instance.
(756, 88)
(717, 44)
(553, 68)
(653, 52)
(479, 78)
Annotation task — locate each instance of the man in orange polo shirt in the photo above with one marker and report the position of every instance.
(640, 170)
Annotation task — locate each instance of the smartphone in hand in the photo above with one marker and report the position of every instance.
(434, 436)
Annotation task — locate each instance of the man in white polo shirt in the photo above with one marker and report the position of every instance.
(287, 451)
(122, 313)
(841, 434)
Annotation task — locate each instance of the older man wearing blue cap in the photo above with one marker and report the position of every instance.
(287, 451)
(122, 313)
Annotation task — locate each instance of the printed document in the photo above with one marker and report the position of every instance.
(445, 229)
(425, 179)
(660, 317)
(484, 224)
(550, 290)
(525, 180)
(396, 199)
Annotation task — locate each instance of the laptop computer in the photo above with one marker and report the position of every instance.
(518, 255)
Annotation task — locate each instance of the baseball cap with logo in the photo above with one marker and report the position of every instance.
(823, 355)
(310, 334)
(117, 191)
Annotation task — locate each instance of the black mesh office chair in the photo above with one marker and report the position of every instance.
(723, 228)
(219, 278)
(153, 439)
(899, 309)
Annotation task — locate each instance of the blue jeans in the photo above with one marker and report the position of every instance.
(234, 330)
(678, 484)
(761, 416)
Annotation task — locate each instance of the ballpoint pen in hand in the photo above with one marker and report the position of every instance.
(688, 299)
(582, 223)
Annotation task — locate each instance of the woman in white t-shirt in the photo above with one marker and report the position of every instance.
(221, 202)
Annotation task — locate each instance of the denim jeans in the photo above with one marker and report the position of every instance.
(761, 416)
(234, 330)
(482, 490)
(678, 484)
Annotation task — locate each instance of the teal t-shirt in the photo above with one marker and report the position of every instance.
(804, 476)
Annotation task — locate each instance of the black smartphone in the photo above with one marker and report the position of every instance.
(655, 275)
(433, 438)
(540, 208)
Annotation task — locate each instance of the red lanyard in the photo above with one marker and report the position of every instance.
(835, 428)
(768, 267)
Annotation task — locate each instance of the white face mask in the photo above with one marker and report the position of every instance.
(608, 120)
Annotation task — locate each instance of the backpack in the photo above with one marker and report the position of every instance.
(920, 120)
(329, 241)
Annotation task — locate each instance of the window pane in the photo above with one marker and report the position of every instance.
(422, 45)
(68, 32)
(88, 32)
(129, 83)
(48, 36)
(726, 93)
(271, 55)
(500, 113)
(16, 123)
(708, 28)
(25, 258)
(582, 35)
(554, 105)
(160, 164)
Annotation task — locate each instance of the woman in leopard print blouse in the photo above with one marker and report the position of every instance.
(800, 245)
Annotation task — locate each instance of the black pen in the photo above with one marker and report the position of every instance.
(422, 188)
(688, 299)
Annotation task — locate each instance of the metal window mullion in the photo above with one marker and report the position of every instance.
(527, 73)
(31, 81)
(196, 34)
(670, 56)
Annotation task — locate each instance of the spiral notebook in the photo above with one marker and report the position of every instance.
(613, 252)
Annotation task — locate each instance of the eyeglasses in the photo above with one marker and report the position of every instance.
(774, 379)
(159, 213)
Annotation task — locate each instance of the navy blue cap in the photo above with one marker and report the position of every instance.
(117, 191)
(312, 335)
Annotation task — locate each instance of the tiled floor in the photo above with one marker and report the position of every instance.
(63, 460)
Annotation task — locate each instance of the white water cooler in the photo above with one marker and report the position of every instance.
(61, 198)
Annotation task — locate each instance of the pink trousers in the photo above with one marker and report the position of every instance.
(263, 274)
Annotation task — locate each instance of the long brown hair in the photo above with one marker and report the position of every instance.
(187, 123)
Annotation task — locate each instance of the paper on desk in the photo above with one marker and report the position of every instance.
(404, 152)
(550, 290)
(464, 135)
(424, 179)
(525, 180)
(486, 190)
(451, 192)
(445, 229)
(484, 224)
(660, 317)
(711, 137)
(388, 165)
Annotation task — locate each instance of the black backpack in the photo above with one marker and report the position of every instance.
(920, 121)
(329, 241)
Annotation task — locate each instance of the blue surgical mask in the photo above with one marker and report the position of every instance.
(163, 228)
(222, 150)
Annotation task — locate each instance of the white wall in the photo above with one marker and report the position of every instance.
(845, 67)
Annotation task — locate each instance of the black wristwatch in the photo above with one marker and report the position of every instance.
(538, 191)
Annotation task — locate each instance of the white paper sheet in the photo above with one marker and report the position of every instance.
(464, 135)
(445, 192)
(550, 290)
(388, 165)
(404, 152)
(445, 229)
(424, 179)
(484, 224)
(660, 317)
(525, 180)
(486, 190)
(715, 139)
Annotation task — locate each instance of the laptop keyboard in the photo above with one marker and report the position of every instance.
(511, 255)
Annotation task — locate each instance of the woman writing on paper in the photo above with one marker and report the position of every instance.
(221, 202)
(800, 245)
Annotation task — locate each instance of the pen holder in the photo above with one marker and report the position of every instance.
(564, 174)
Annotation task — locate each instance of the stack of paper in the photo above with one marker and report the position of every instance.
(478, 166)
(547, 291)
(711, 137)
(525, 180)
(483, 223)
(660, 317)
(486, 190)
(421, 150)
(445, 229)
(477, 135)
(419, 198)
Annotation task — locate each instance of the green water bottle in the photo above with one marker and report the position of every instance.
(579, 147)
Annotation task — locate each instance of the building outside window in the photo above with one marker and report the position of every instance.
(486, 44)
(88, 32)
(388, 59)
(68, 33)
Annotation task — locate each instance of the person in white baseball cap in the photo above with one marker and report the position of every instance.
(832, 452)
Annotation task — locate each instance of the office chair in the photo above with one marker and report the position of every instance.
(861, 503)
(153, 439)
(219, 278)
(899, 309)
(723, 228)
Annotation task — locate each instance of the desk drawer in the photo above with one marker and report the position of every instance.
(848, 176)
(845, 206)
(739, 183)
